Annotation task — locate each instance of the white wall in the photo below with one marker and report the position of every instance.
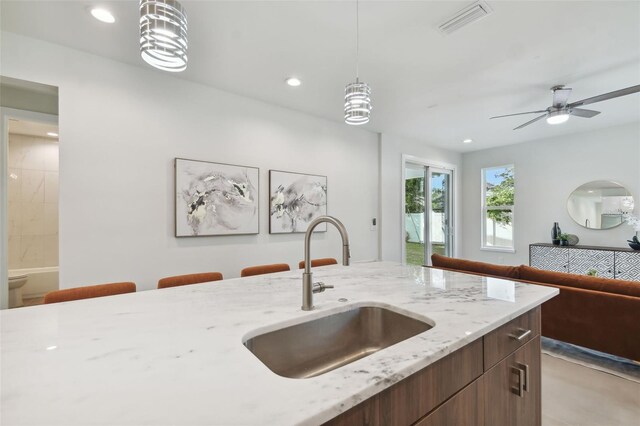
(392, 149)
(546, 172)
(120, 128)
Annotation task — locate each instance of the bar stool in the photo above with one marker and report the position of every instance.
(325, 261)
(188, 279)
(264, 269)
(89, 292)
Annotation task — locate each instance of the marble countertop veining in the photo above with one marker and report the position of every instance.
(175, 356)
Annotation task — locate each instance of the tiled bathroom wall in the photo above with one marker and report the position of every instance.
(33, 202)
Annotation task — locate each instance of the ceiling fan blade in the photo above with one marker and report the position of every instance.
(561, 97)
(585, 113)
(519, 113)
(531, 122)
(606, 96)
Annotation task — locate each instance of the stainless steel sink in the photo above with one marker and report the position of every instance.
(324, 344)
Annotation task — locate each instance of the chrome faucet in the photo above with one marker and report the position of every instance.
(308, 286)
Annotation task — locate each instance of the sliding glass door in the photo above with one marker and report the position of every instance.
(414, 214)
(439, 215)
(428, 208)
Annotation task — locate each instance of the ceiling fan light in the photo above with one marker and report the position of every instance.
(103, 15)
(293, 81)
(557, 117)
(163, 34)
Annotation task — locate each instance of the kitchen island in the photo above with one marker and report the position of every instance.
(176, 356)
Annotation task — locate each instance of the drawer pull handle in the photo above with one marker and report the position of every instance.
(518, 390)
(520, 337)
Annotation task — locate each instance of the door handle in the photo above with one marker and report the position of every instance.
(519, 389)
(525, 368)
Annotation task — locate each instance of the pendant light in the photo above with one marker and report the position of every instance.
(357, 95)
(163, 34)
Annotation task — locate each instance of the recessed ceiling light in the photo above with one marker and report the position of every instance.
(467, 141)
(293, 81)
(103, 15)
(52, 134)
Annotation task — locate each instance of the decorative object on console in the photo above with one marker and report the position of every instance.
(634, 243)
(564, 239)
(215, 199)
(573, 239)
(555, 233)
(592, 272)
(600, 204)
(296, 199)
(634, 222)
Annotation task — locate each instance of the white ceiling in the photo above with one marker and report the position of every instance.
(425, 86)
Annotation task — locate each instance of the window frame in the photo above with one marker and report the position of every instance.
(484, 209)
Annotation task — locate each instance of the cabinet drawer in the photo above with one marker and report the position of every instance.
(412, 398)
(509, 337)
(628, 266)
(549, 258)
(582, 261)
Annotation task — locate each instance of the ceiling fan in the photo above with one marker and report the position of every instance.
(560, 110)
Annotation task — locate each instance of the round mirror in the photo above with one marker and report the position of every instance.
(600, 204)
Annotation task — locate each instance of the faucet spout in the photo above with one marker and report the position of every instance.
(307, 277)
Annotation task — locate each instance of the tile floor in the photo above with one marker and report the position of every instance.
(580, 396)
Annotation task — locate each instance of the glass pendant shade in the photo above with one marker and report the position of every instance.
(163, 34)
(357, 103)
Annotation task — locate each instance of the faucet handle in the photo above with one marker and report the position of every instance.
(319, 287)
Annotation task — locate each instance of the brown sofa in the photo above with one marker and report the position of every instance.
(597, 313)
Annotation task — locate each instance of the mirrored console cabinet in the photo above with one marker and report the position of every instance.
(609, 262)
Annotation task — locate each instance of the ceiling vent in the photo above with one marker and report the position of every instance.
(466, 16)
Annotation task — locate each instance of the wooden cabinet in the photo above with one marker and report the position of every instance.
(512, 389)
(492, 381)
(466, 408)
(609, 262)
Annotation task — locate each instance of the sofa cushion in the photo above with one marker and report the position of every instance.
(609, 285)
(475, 267)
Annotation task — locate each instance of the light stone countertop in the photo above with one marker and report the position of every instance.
(176, 356)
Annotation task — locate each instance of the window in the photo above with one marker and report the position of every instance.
(498, 192)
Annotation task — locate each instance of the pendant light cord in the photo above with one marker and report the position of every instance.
(357, 41)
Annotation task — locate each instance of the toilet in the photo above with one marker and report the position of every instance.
(16, 282)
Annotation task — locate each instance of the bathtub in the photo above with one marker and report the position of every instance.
(39, 282)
